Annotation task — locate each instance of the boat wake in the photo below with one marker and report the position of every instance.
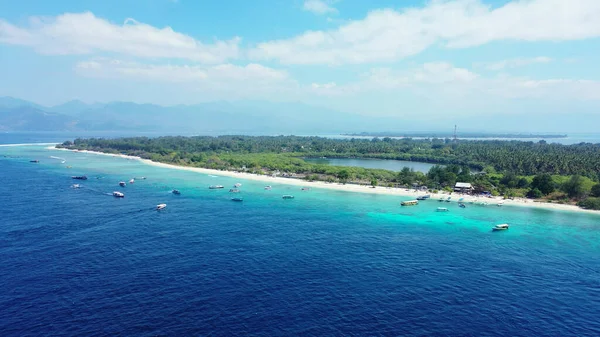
(62, 160)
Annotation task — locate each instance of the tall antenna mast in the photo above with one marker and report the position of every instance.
(455, 138)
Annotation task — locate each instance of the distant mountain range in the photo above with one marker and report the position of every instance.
(218, 117)
(262, 117)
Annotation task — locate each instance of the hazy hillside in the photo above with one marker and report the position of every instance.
(223, 117)
(29, 118)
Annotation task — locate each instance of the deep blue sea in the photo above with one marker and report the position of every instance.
(79, 262)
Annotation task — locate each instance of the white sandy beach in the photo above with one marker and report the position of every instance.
(408, 194)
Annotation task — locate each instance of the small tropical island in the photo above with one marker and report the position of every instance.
(555, 173)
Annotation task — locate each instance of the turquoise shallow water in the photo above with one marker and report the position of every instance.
(80, 262)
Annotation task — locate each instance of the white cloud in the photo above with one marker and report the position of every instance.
(433, 73)
(84, 33)
(251, 73)
(318, 7)
(323, 85)
(204, 83)
(388, 35)
(515, 63)
(442, 81)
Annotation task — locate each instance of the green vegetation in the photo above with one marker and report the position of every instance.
(449, 134)
(555, 172)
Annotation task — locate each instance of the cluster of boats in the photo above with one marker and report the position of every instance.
(461, 204)
(118, 194)
(236, 189)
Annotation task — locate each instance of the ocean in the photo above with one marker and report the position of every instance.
(79, 262)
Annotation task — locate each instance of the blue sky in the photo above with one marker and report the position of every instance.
(376, 58)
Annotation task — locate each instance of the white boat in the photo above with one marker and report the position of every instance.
(442, 209)
(409, 203)
(305, 188)
(501, 227)
(268, 188)
(122, 183)
(118, 194)
(500, 203)
(132, 181)
(237, 185)
(75, 186)
(449, 198)
(215, 187)
(160, 206)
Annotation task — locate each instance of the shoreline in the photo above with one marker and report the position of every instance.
(492, 202)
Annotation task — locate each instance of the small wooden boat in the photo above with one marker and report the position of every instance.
(409, 203)
(501, 227)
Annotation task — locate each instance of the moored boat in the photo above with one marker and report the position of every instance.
(461, 205)
(176, 192)
(442, 209)
(409, 203)
(75, 186)
(160, 206)
(79, 177)
(287, 196)
(424, 197)
(132, 181)
(500, 203)
(501, 227)
(122, 183)
(234, 190)
(268, 188)
(305, 188)
(215, 187)
(237, 199)
(449, 199)
(118, 194)
(34, 161)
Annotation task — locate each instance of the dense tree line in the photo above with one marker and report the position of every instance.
(522, 158)
(513, 168)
